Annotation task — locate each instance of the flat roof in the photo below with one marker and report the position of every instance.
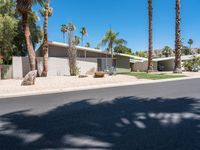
(185, 57)
(95, 50)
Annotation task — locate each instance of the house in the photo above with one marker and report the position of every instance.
(102, 59)
(160, 64)
(89, 60)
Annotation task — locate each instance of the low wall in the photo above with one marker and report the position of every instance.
(6, 72)
(57, 66)
(142, 66)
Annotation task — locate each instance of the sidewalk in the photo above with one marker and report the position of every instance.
(13, 88)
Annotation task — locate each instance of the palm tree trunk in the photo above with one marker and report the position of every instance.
(150, 62)
(64, 39)
(177, 68)
(29, 44)
(111, 51)
(45, 42)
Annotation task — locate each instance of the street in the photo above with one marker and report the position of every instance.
(161, 116)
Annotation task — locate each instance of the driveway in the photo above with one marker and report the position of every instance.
(161, 116)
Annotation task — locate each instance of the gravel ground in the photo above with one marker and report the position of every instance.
(62, 82)
(13, 86)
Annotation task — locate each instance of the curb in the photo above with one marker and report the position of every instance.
(84, 88)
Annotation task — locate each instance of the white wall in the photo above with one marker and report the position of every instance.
(57, 66)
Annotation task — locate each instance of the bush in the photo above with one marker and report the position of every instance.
(188, 65)
(192, 65)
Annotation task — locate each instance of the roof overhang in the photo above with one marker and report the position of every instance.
(96, 50)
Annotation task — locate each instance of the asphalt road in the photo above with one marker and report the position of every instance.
(161, 116)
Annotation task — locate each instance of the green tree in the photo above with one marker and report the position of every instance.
(122, 49)
(186, 51)
(111, 39)
(8, 30)
(190, 42)
(8, 8)
(198, 51)
(45, 12)
(167, 51)
(140, 54)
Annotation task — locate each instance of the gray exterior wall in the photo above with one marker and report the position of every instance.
(167, 64)
(122, 64)
(6, 72)
(59, 51)
(142, 66)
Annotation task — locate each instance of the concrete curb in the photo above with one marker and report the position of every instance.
(83, 88)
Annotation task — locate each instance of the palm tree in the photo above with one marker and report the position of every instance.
(111, 38)
(83, 33)
(24, 8)
(45, 12)
(190, 42)
(64, 29)
(177, 67)
(87, 44)
(167, 51)
(150, 53)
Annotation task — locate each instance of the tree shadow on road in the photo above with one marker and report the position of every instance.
(127, 123)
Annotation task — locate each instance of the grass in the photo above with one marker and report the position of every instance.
(153, 76)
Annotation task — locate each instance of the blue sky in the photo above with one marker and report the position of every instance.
(129, 18)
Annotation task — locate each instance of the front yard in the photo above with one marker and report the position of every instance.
(66, 83)
(153, 76)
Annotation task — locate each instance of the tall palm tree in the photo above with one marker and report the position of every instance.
(150, 53)
(64, 29)
(83, 33)
(190, 42)
(177, 68)
(24, 8)
(111, 38)
(87, 44)
(45, 12)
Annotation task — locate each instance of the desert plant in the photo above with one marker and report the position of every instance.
(72, 51)
(76, 40)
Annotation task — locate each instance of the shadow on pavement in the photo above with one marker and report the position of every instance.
(127, 123)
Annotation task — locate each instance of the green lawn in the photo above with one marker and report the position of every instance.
(152, 76)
